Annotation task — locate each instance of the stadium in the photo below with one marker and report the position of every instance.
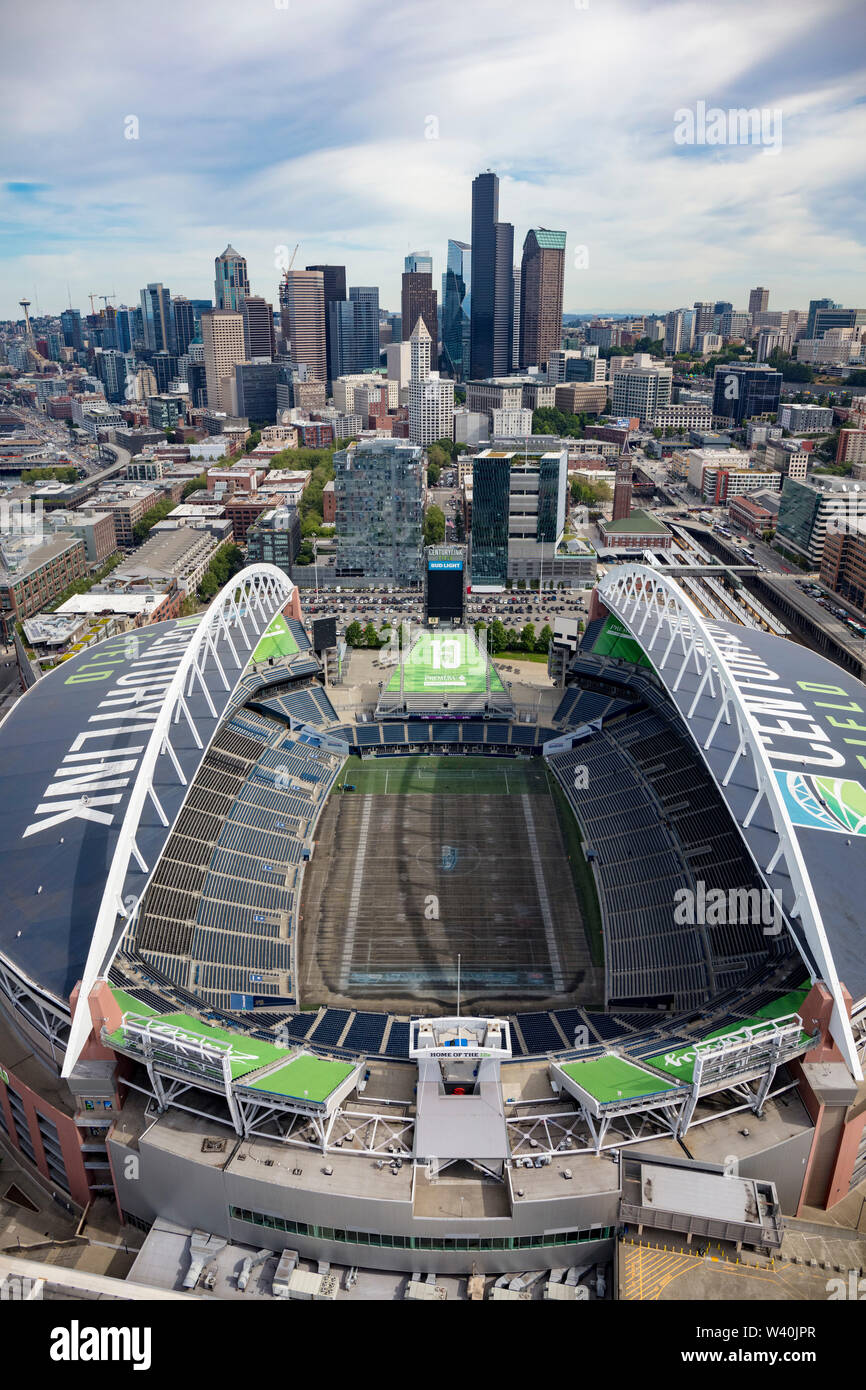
(429, 969)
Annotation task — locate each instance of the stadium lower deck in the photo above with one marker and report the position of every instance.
(221, 919)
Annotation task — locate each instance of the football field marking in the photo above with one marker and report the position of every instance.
(543, 899)
(355, 898)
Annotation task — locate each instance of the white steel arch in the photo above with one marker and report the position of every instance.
(245, 608)
(674, 634)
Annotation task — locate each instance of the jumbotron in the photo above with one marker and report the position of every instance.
(402, 963)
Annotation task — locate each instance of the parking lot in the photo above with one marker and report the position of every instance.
(379, 606)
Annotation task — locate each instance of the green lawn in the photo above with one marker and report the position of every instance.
(304, 1078)
(445, 662)
(277, 641)
(522, 656)
(478, 776)
(613, 1078)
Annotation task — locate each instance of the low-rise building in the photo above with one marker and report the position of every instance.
(749, 514)
(126, 503)
(639, 531)
(178, 556)
(33, 571)
(805, 419)
(790, 457)
(843, 564)
(275, 539)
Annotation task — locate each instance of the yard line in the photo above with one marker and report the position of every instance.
(355, 898)
(543, 899)
(386, 779)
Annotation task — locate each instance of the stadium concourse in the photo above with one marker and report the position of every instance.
(236, 896)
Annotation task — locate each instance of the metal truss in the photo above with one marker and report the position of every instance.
(349, 1131)
(675, 636)
(243, 610)
(47, 1018)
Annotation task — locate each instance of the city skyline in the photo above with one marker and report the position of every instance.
(362, 171)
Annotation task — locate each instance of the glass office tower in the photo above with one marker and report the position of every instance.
(456, 305)
(379, 493)
(491, 480)
(740, 393)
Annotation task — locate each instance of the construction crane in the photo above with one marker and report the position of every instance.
(292, 261)
(105, 298)
(91, 296)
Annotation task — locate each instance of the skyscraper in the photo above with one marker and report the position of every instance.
(704, 315)
(164, 367)
(231, 285)
(673, 331)
(259, 338)
(366, 300)
(111, 370)
(814, 306)
(491, 479)
(515, 328)
(419, 263)
(157, 319)
(184, 323)
(256, 391)
(353, 332)
(542, 279)
(302, 309)
(492, 282)
(759, 298)
(419, 301)
(378, 486)
(456, 291)
(431, 397)
(334, 279)
(70, 323)
(222, 332)
(485, 214)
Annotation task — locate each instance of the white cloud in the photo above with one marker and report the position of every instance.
(269, 126)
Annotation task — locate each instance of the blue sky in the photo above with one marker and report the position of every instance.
(273, 122)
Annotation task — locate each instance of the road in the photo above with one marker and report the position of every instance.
(10, 685)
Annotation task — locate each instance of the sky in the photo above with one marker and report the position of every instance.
(356, 128)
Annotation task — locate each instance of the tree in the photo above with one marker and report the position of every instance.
(434, 526)
(527, 638)
(498, 636)
(545, 637)
(433, 472)
(354, 634)
(549, 420)
(438, 458)
(193, 485)
(371, 636)
(253, 442)
(479, 628)
(512, 640)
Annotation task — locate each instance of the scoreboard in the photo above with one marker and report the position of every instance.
(445, 586)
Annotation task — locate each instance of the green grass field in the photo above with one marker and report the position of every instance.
(444, 662)
(277, 641)
(479, 776)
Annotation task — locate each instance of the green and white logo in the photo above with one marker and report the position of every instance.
(824, 803)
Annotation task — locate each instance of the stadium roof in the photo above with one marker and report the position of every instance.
(783, 732)
(95, 762)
